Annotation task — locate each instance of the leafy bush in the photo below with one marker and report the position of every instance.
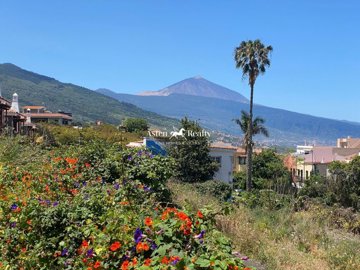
(63, 214)
(215, 188)
(136, 124)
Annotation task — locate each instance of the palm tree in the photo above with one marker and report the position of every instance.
(253, 58)
(257, 127)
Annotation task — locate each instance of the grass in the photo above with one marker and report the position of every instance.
(284, 238)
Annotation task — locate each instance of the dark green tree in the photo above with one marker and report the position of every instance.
(191, 154)
(257, 127)
(252, 57)
(136, 124)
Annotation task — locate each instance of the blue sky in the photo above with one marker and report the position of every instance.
(131, 45)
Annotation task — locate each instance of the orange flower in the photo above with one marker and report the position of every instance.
(148, 221)
(165, 260)
(142, 247)
(182, 216)
(115, 246)
(199, 214)
(134, 261)
(71, 161)
(125, 265)
(97, 264)
(147, 262)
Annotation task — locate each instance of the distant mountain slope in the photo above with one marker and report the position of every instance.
(85, 104)
(286, 127)
(198, 86)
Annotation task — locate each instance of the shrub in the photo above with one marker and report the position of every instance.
(215, 188)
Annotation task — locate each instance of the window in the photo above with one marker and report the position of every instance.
(217, 159)
(242, 160)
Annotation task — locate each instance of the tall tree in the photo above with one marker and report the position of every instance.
(252, 57)
(257, 127)
(193, 162)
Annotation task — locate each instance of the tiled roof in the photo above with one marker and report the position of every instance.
(50, 115)
(33, 107)
(222, 145)
(4, 103)
(328, 154)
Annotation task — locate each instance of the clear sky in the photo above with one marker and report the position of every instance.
(131, 45)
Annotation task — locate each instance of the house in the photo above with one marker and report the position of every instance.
(224, 155)
(348, 142)
(240, 158)
(318, 159)
(39, 114)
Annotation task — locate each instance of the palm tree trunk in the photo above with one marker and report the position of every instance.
(249, 142)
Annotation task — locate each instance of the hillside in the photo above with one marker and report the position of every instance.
(286, 127)
(85, 104)
(198, 86)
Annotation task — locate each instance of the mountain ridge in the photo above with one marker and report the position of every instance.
(198, 86)
(286, 127)
(85, 104)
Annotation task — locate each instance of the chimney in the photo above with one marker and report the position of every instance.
(28, 117)
(15, 103)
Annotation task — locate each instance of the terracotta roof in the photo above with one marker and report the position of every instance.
(50, 115)
(33, 107)
(17, 115)
(4, 103)
(222, 145)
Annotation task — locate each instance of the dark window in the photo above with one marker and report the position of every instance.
(242, 160)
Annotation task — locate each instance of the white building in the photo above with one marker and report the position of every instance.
(224, 155)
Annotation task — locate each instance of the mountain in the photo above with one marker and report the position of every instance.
(286, 127)
(85, 104)
(198, 86)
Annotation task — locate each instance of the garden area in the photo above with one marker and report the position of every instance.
(97, 205)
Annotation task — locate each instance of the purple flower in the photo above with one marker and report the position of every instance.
(137, 235)
(147, 189)
(139, 153)
(12, 224)
(47, 202)
(117, 186)
(84, 183)
(64, 252)
(175, 261)
(245, 258)
(200, 235)
(14, 207)
(56, 203)
(153, 246)
(76, 184)
(90, 253)
(129, 158)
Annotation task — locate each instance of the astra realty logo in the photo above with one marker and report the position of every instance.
(178, 133)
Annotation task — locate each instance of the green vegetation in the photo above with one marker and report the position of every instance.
(342, 187)
(85, 104)
(252, 57)
(191, 153)
(257, 127)
(277, 234)
(99, 206)
(136, 125)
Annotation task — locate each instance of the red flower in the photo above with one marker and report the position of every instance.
(199, 214)
(147, 262)
(87, 165)
(84, 243)
(148, 221)
(97, 264)
(115, 246)
(125, 265)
